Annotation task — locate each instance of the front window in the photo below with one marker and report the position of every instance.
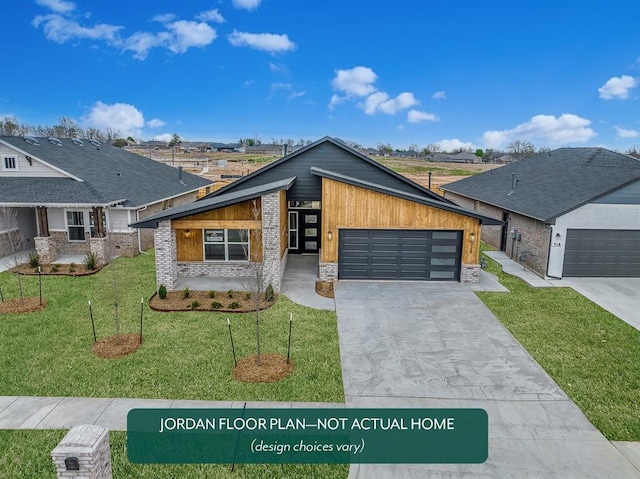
(226, 245)
(307, 205)
(75, 225)
(10, 163)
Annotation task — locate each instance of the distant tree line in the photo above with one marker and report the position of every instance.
(65, 128)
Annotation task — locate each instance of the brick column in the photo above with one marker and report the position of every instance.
(166, 256)
(100, 247)
(470, 273)
(46, 248)
(271, 240)
(84, 454)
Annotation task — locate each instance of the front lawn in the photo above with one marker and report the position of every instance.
(185, 355)
(25, 455)
(589, 352)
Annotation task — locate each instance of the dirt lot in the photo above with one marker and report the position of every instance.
(209, 166)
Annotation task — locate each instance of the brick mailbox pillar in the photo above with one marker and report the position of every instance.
(83, 453)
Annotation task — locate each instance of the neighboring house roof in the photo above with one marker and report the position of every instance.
(404, 195)
(216, 202)
(107, 175)
(551, 184)
(291, 157)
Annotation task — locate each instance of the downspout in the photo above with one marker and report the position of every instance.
(139, 239)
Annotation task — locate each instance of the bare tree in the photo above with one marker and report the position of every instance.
(10, 228)
(520, 149)
(9, 126)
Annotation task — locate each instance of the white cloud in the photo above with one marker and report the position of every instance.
(379, 102)
(373, 101)
(187, 34)
(141, 42)
(246, 4)
(417, 116)
(567, 128)
(155, 123)
(336, 100)
(439, 95)
(164, 17)
(455, 144)
(617, 87)
(624, 133)
(125, 118)
(211, 16)
(61, 30)
(296, 94)
(166, 137)
(268, 42)
(58, 6)
(357, 81)
(278, 68)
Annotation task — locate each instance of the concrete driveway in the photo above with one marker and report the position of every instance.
(620, 296)
(418, 344)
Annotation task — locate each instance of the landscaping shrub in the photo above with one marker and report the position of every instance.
(186, 293)
(34, 260)
(212, 294)
(234, 305)
(162, 291)
(230, 294)
(216, 305)
(55, 268)
(195, 305)
(72, 267)
(248, 295)
(91, 261)
(269, 294)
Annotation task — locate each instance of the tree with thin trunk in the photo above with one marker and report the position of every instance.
(13, 236)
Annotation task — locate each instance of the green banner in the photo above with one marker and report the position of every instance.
(309, 436)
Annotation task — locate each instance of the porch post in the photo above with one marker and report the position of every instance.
(43, 221)
(45, 244)
(98, 222)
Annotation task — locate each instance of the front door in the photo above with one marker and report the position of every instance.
(308, 234)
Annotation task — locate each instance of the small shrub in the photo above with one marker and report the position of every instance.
(248, 295)
(72, 267)
(195, 305)
(212, 294)
(269, 294)
(186, 293)
(230, 294)
(216, 305)
(234, 305)
(91, 261)
(34, 260)
(55, 268)
(162, 291)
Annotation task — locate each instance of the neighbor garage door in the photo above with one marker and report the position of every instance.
(602, 253)
(399, 254)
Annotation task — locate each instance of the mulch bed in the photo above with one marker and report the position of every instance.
(175, 301)
(26, 305)
(325, 288)
(54, 269)
(273, 367)
(108, 348)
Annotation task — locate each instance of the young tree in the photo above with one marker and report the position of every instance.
(13, 237)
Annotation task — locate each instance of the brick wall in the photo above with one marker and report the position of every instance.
(328, 271)
(90, 445)
(46, 249)
(272, 268)
(166, 260)
(470, 273)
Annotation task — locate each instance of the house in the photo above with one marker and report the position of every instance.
(461, 157)
(263, 149)
(363, 220)
(73, 195)
(568, 212)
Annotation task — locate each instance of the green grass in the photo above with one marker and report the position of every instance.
(25, 455)
(592, 355)
(184, 355)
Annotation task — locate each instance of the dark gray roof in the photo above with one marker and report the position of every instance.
(109, 174)
(404, 195)
(310, 146)
(551, 184)
(216, 202)
(30, 191)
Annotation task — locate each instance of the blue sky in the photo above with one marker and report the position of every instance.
(460, 73)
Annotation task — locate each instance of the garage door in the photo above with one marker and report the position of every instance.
(399, 254)
(602, 253)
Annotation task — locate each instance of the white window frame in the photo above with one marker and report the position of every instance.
(15, 163)
(67, 225)
(289, 243)
(226, 244)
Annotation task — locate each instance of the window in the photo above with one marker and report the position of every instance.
(75, 225)
(293, 229)
(308, 205)
(92, 223)
(226, 245)
(10, 163)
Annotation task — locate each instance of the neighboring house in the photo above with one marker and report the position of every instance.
(363, 220)
(461, 157)
(73, 195)
(264, 149)
(569, 212)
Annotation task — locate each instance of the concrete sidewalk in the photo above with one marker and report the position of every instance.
(299, 282)
(33, 412)
(516, 269)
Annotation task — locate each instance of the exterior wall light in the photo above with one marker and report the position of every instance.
(558, 235)
(187, 233)
(472, 237)
(330, 235)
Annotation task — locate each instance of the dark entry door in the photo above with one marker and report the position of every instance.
(309, 231)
